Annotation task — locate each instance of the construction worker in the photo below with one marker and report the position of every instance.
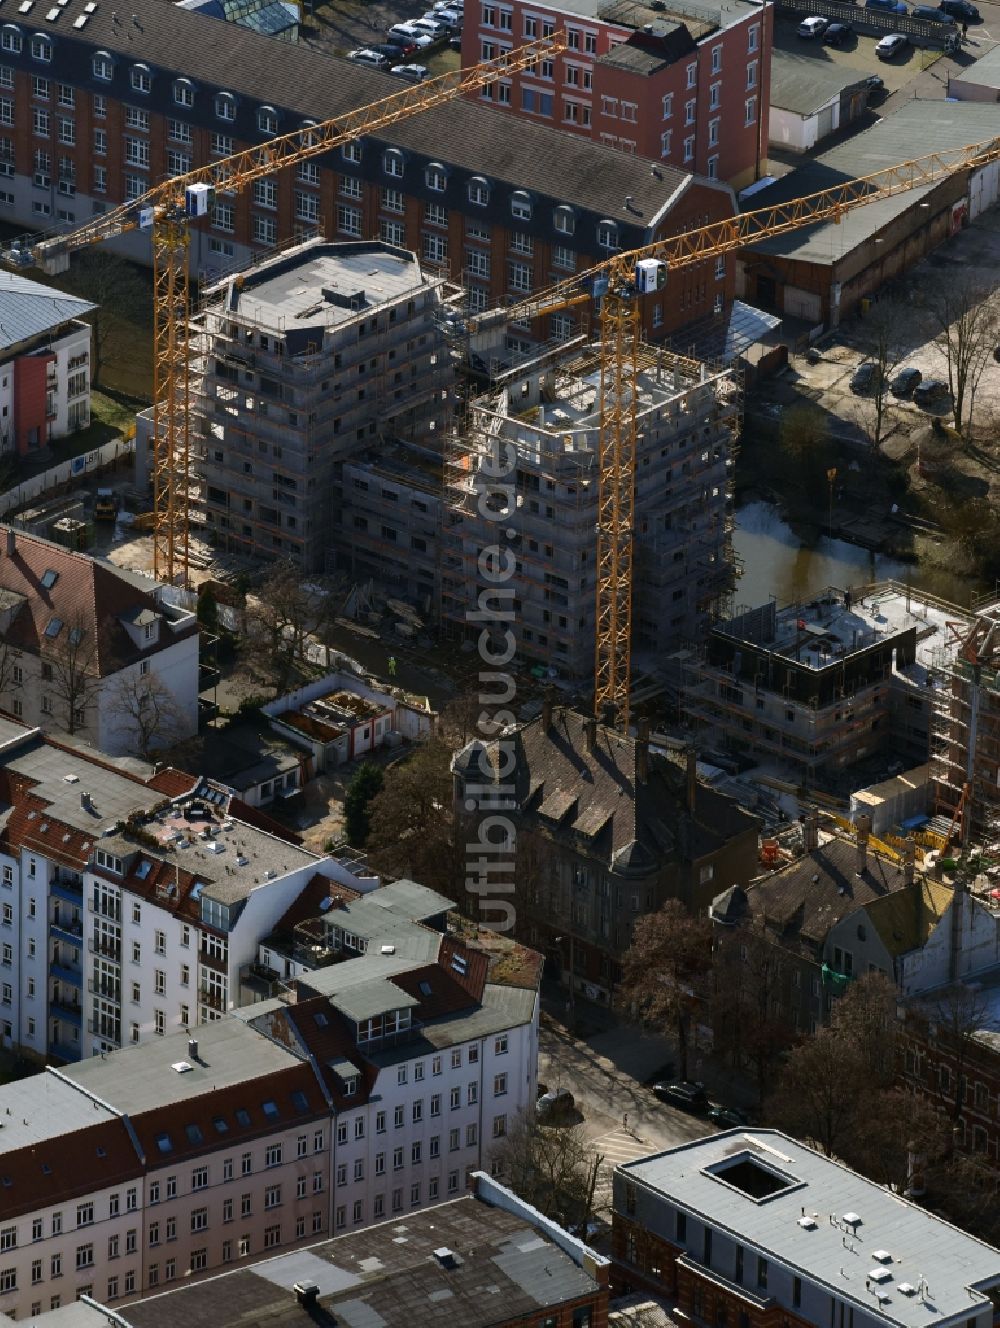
(392, 666)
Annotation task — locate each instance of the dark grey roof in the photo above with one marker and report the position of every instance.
(917, 127)
(804, 84)
(985, 73)
(386, 1276)
(304, 83)
(28, 309)
(646, 54)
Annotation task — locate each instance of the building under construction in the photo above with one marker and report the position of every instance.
(816, 685)
(545, 422)
(965, 754)
(317, 355)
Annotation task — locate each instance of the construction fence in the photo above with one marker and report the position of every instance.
(66, 472)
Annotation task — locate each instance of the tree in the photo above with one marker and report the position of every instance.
(965, 314)
(866, 1016)
(366, 783)
(114, 285)
(804, 436)
(820, 1092)
(550, 1168)
(885, 344)
(671, 952)
(279, 618)
(208, 609)
(749, 973)
(952, 1022)
(146, 710)
(70, 671)
(10, 660)
(412, 831)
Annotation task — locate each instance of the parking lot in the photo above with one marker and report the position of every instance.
(345, 25)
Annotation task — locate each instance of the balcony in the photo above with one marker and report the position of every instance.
(212, 997)
(67, 888)
(108, 991)
(105, 947)
(63, 1051)
(73, 977)
(70, 1012)
(63, 928)
(213, 961)
(259, 980)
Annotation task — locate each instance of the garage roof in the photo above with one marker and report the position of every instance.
(804, 84)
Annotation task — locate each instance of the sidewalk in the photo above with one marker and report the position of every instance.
(642, 1055)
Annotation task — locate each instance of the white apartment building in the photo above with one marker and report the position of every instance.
(127, 907)
(44, 364)
(81, 642)
(303, 1115)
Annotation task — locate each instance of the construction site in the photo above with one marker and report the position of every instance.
(548, 417)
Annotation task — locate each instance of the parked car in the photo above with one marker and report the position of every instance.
(402, 42)
(728, 1118)
(904, 382)
(393, 53)
(411, 73)
(864, 377)
(813, 27)
(931, 15)
(553, 1107)
(962, 10)
(415, 35)
(838, 34)
(887, 6)
(436, 28)
(684, 1094)
(889, 47)
(932, 394)
(365, 56)
(875, 83)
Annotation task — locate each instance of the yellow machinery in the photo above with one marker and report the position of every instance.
(621, 281)
(167, 210)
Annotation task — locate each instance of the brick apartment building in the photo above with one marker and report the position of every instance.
(96, 105)
(757, 1230)
(686, 84)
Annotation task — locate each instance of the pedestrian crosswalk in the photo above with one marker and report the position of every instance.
(615, 1147)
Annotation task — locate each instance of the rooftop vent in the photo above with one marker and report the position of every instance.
(388, 950)
(907, 1289)
(446, 1257)
(306, 1293)
(193, 1048)
(71, 779)
(182, 1067)
(807, 1223)
(880, 1275)
(851, 1220)
(882, 1256)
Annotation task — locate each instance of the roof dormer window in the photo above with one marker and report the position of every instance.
(267, 120)
(479, 191)
(11, 39)
(225, 106)
(392, 162)
(183, 92)
(141, 79)
(520, 205)
(41, 48)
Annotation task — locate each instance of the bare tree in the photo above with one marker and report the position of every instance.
(951, 1024)
(670, 954)
(866, 1016)
(750, 974)
(70, 671)
(116, 288)
(885, 344)
(146, 710)
(10, 661)
(279, 618)
(821, 1091)
(412, 823)
(550, 1168)
(965, 314)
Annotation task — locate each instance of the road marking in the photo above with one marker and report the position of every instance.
(616, 1147)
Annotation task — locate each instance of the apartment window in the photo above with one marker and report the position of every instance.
(159, 1023)
(499, 1126)
(477, 263)
(689, 149)
(350, 187)
(713, 132)
(392, 163)
(607, 235)
(563, 258)
(141, 79)
(221, 145)
(159, 982)
(454, 1140)
(225, 106)
(753, 37)
(179, 132)
(520, 205)
(84, 1256)
(751, 75)
(435, 249)
(10, 40)
(40, 122)
(199, 1219)
(436, 178)
(178, 163)
(397, 1159)
(272, 1196)
(713, 174)
(41, 49)
(199, 1177)
(479, 191)
(67, 131)
(267, 120)
(272, 1155)
(750, 110)
(689, 110)
(499, 1085)
(85, 1215)
(392, 200)
(224, 217)
(348, 220)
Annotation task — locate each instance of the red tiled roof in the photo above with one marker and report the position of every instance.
(261, 821)
(87, 595)
(201, 1113)
(174, 783)
(307, 905)
(332, 1039)
(65, 1166)
(477, 965)
(447, 995)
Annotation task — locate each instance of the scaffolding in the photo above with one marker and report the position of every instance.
(965, 748)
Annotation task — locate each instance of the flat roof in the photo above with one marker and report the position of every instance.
(501, 1268)
(700, 18)
(326, 285)
(141, 1077)
(43, 1106)
(818, 632)
(804, 85)
(61, 776)
(984, 72)
(936, 126)
(955, 1267)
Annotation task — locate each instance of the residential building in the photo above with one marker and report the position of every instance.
(88, 648)
(44, 361)
(130, 903)
(548, 422)
(106, 105)
(756, 1228)
(821, 273)
(810, 101)
(606, 831)
(484, 1259)
(373, 1086)
(309, 358)
(685, 83)
(838, 912)
(818, 685)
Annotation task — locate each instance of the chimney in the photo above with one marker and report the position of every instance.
(85, 801)
(590, 733)
(192, 1049)
(692, 779)
(642, 752)
(863, 828)
(810, 832)
(10, 542)
(547, 710)
(306, 1293)
(909, 861)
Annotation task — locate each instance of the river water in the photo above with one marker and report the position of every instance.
(776, 563)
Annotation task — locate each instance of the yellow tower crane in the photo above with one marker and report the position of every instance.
(619, 282)
(168, 210)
